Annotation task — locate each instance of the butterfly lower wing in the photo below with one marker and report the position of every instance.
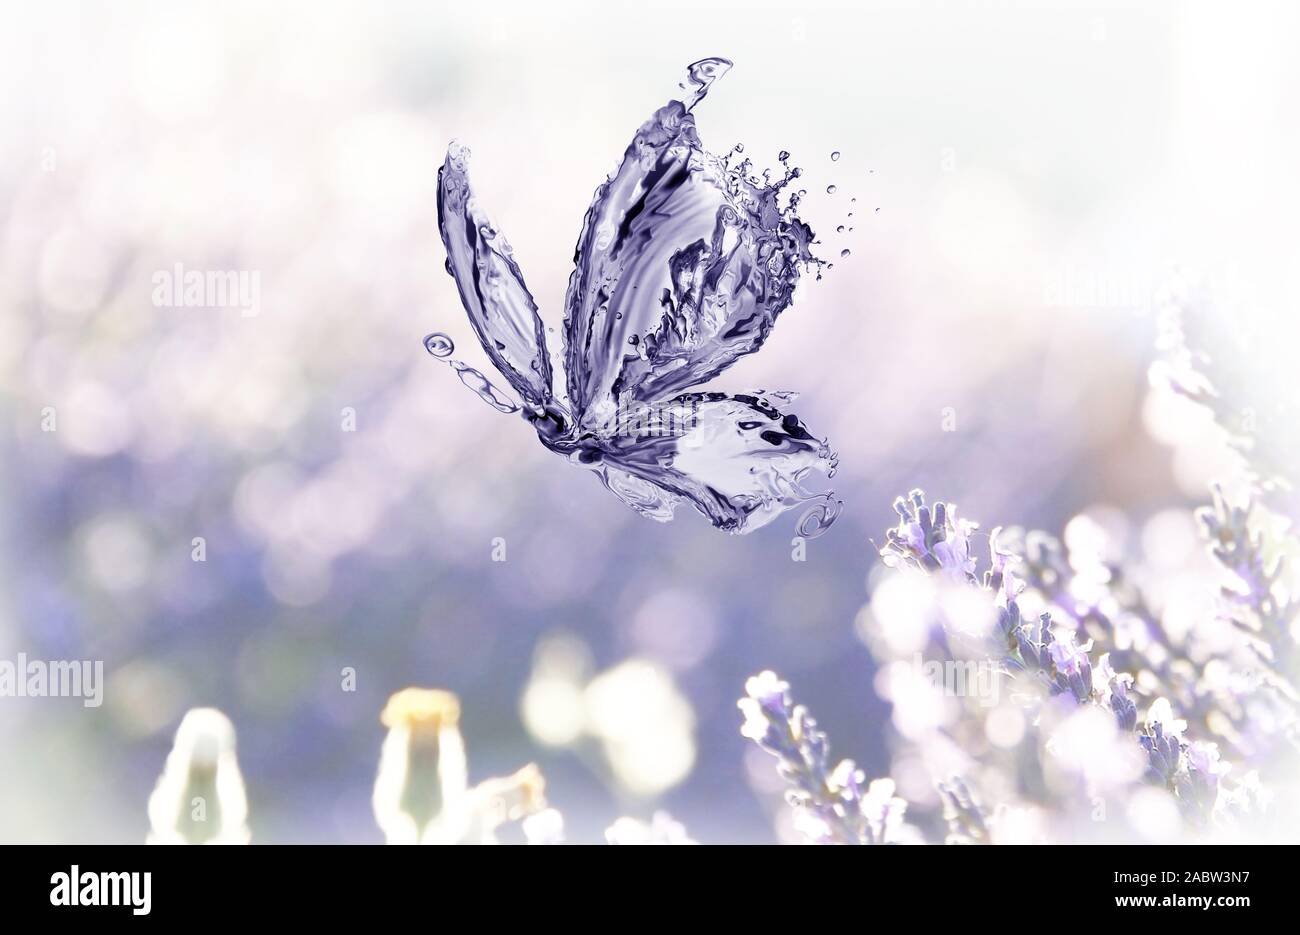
(492, 288)
(736, 458)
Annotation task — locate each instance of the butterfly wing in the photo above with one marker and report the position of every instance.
(492, 288)
(737, 459)
(682, 266)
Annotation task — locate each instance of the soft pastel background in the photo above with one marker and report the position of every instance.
(1025, 174)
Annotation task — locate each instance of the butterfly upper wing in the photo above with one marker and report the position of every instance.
(492, 288)
(737, 459)
(681, 268)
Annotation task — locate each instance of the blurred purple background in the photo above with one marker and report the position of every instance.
(1024, 176)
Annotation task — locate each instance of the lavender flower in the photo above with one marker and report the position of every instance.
(930, 539)
(1200, 789)
(1163, 754)
(1236, 706)
(1260, 609)
(832, 806)
(1072, 668)
(1114, 687)
(965, 819)
(1218, 364)
(1189, 770)
(1214, 362)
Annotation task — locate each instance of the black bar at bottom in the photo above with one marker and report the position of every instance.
(236, 884)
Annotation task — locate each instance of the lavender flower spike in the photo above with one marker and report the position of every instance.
(930, 538)
(832, 806)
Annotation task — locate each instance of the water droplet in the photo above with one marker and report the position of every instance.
(845, 252)
(835, 156)
(840, 229)
(782, 155)
(818, 518)
(439, 345)
(830, 189)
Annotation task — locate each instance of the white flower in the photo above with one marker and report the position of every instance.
(545, 827)
(662, 829)
(421, 793)
(200, 796)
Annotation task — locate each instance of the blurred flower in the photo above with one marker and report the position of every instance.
(421, 794)
(1238, 375)
(965, 819)
(1087, 743)
(552, 705)
(1259, 606)
(662, 829)
(495, 802)
(199, 799)
(1247, 804)
(544, 827)
(643, 723)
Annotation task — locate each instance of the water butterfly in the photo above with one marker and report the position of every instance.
(682, 266)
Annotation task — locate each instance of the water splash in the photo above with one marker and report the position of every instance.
(684, 263)
(685, 252)
(739, 460)
(441, 347)
(700, 77)
(819, 517)
(492, 289)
